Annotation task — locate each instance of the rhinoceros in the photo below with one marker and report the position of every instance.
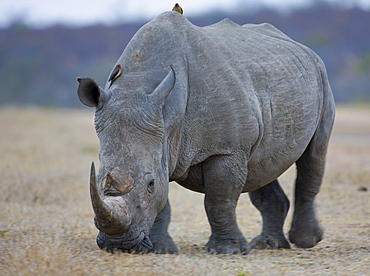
(221, 110)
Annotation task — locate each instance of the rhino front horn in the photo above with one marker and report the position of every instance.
(107, 218)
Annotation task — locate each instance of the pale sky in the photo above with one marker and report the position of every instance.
(84, 12)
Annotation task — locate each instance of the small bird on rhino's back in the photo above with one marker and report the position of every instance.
(115, 73)
(177, 8)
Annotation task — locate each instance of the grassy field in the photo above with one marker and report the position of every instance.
(46, 219)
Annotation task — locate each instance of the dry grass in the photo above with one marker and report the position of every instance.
(46, 220)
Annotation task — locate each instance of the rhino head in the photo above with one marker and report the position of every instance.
(131, 187)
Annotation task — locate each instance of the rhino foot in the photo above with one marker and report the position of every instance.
(164, 245)
(269, 242)
(233, 246)
(305, 231)
(306, 237)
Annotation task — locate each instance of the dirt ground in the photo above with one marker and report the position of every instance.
(46, 219)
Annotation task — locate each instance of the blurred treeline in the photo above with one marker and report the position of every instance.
(40, 66)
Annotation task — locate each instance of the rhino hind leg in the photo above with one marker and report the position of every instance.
(161, 240)
(305, 231)
(273, 205)
(222, 188)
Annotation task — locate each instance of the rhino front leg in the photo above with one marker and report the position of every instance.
(223, 183)
(273, 204)
(162, 241)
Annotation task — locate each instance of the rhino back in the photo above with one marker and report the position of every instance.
(251, 89)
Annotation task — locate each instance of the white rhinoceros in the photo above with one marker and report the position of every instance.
(222, 110)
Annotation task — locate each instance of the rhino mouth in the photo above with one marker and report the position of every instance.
(140, 243)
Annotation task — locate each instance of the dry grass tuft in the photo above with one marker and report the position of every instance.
(46, 221)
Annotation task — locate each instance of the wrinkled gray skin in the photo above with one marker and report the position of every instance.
(222, 110)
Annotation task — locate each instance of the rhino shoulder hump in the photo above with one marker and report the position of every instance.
(226, 22)
(267, 29)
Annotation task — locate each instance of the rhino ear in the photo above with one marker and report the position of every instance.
(165, 87)
(90, 94)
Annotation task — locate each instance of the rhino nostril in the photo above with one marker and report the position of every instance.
(100, 241)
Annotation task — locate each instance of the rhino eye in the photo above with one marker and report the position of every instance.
(151, 186)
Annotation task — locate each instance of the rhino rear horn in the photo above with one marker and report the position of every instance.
(165, 87)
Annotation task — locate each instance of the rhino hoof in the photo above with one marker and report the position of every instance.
(269, 242)
(228, 247)
(306, 239)
(164, 246)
